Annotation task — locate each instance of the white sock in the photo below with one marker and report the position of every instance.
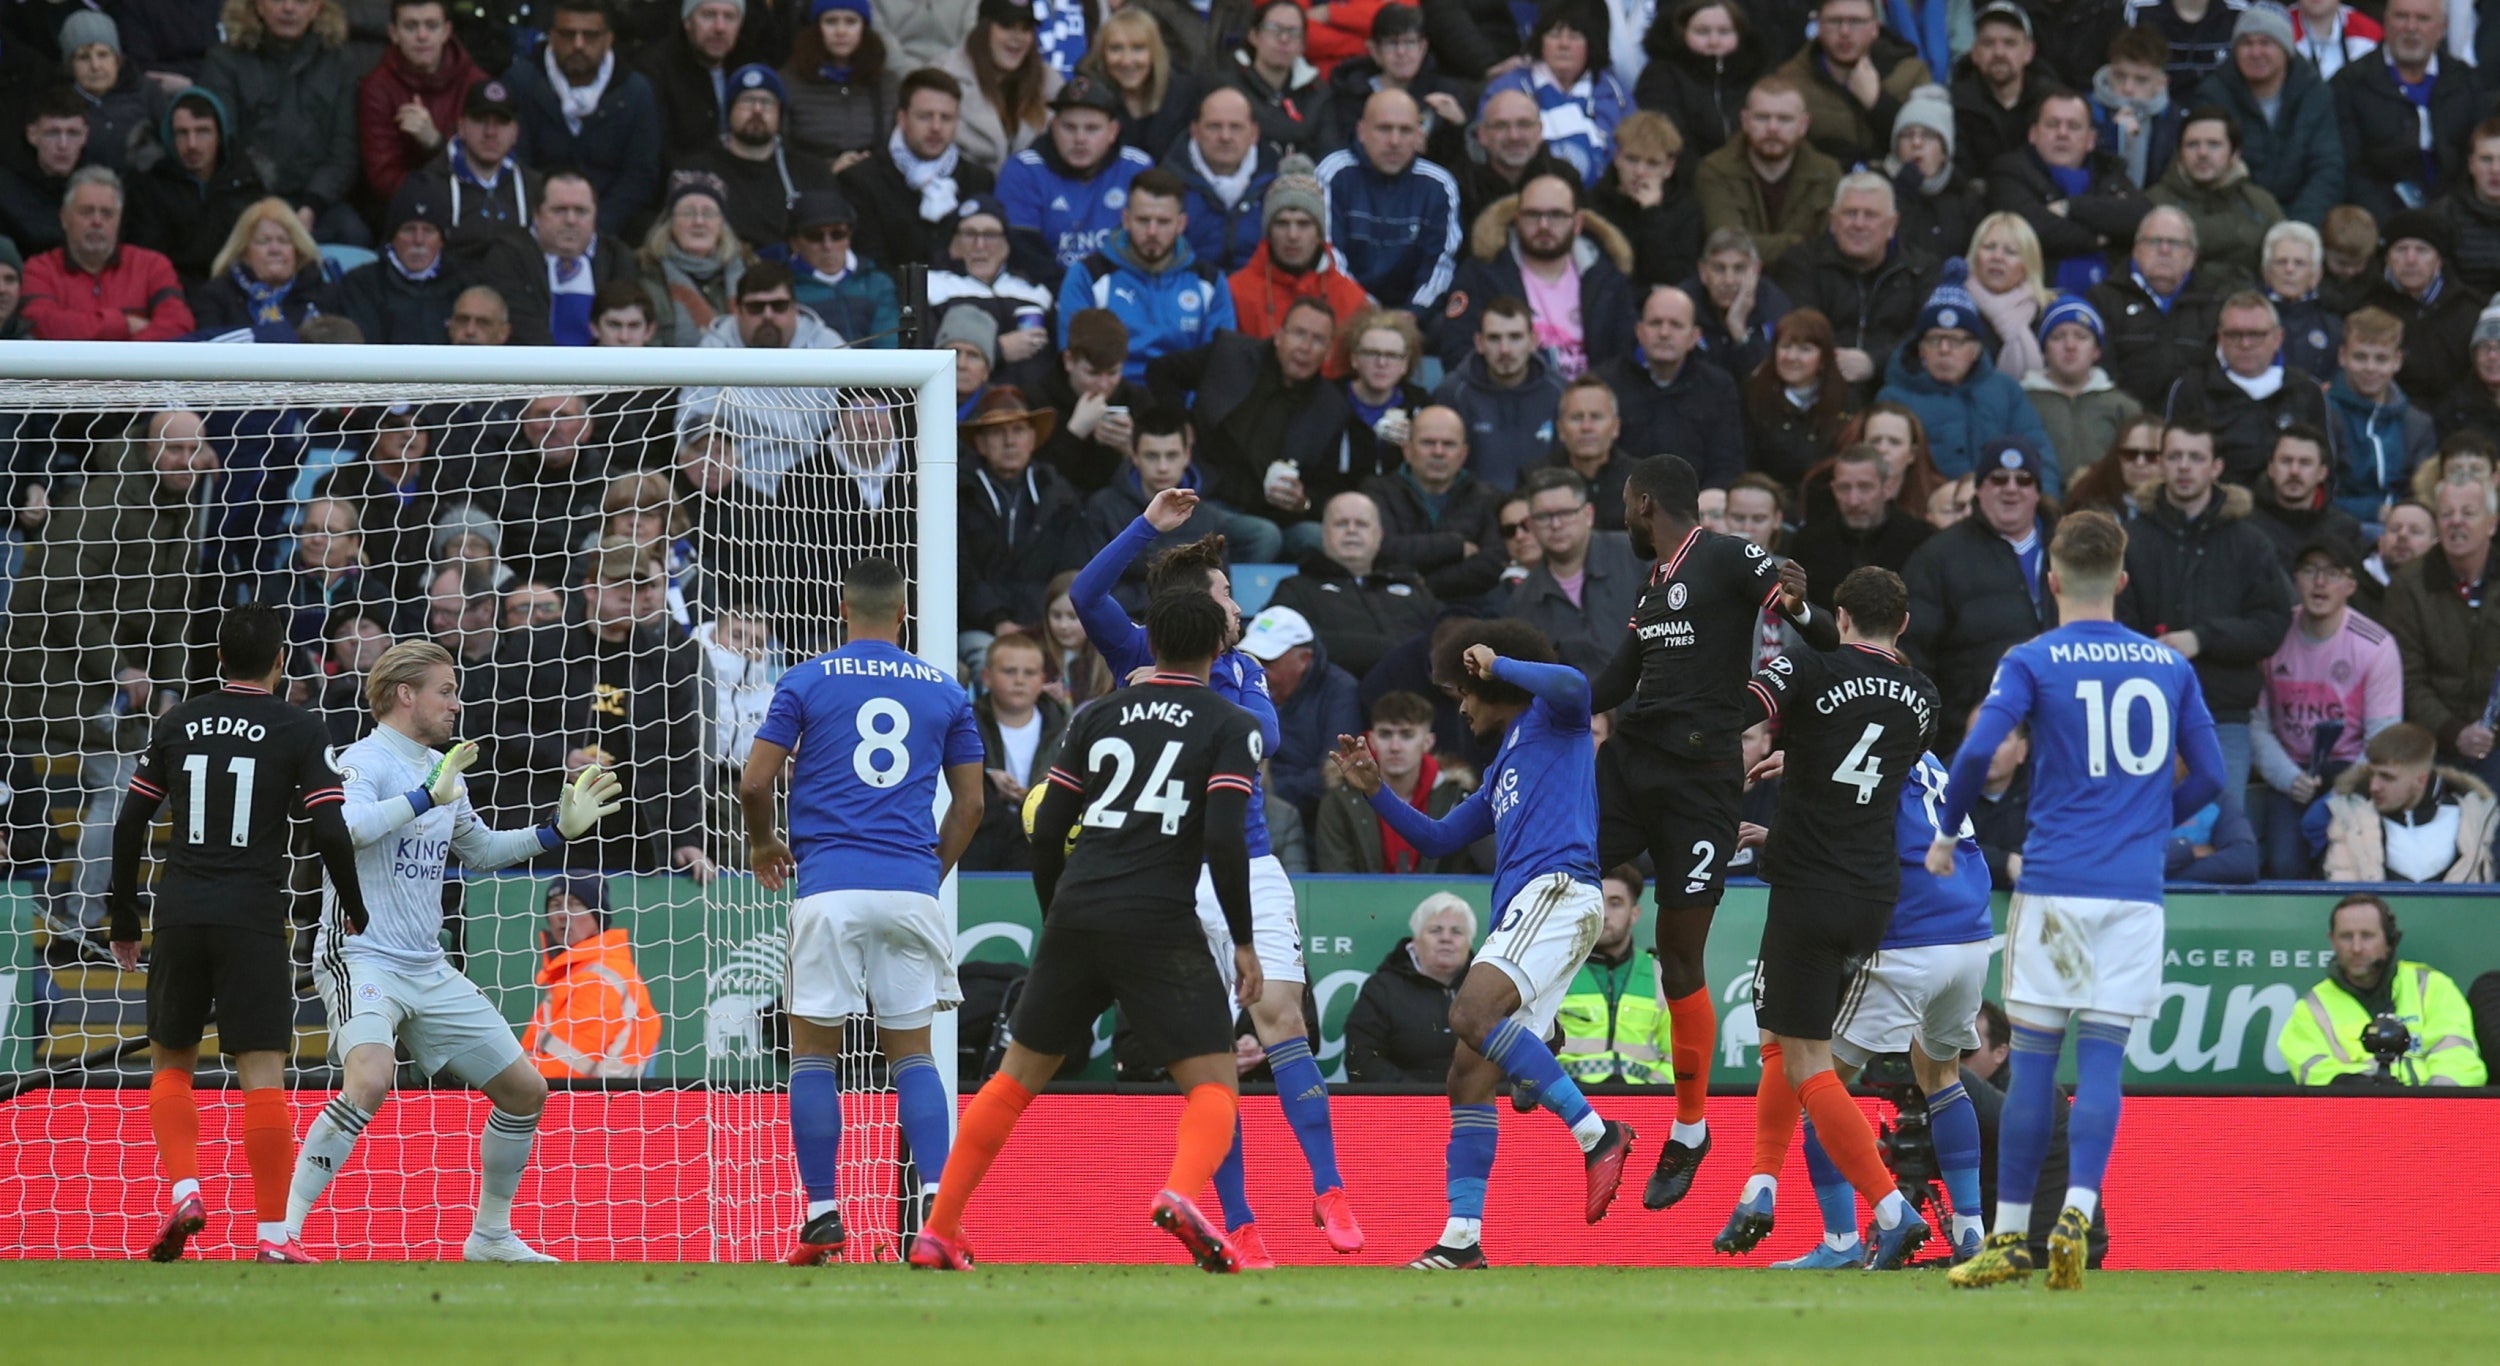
(274, 1232)
(187, 1186)
(2087, 1201)
(1890, 1209)
(816, 1209)
(1690, 1135)
(503, 1153)
(1589, 1130)
(1462, 1232)
(327, 1145)
(1759, 1184)
(2013, 1218)
(1964, 1224)
(1841, 1242)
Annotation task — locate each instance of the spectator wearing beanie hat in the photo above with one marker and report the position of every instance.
(840, 107)
(689, 74)
(1293, 261)
(1939, 206)
(117, 109)
(972, 334)
(973, 267)
(764, 175)
(1943, 373)
(404, 297)
(2286, 115)
(2437, 309)
(2080, 407)
(184, 204)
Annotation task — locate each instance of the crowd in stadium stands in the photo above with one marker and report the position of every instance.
(1400, 291)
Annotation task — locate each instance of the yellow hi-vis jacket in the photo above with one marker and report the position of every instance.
(1614, 1025)
(2322, 1039)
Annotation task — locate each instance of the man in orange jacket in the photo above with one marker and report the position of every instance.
(1293, 260)
(596, 1019)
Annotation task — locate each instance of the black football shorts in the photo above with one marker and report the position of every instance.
(243, 974)
(1814, 950)
(1166, 986)
(1681, 812)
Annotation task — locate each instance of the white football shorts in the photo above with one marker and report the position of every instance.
(444, 1019)
(1540, 940)
(1275, 924)
(2084, 953)
(854, 948)
(1929, 993)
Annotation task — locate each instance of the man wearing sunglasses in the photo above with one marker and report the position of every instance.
(1980, 586)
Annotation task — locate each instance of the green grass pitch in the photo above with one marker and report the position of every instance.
(109, 1312)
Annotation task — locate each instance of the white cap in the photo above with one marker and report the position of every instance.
(1274, 631)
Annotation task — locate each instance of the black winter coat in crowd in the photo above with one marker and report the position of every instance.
(1014, 536)
(1469, 37)
(2245, 428)
(2383, 132)
(1940, 222)
(391, 309)
(2473, 239)
(1870, 310)
(2439, 337)
(890, 231)
(1665, 236)
(1247, 414)
(1969, 604)
(1984, 130)
(2288, 529)
(185, 217)
(1704, 96)
(1436, 546)
(2214, 574)
(1359, 618)
(1788, 440)
(513, 264)
(1696, 415)
(2073, 36)
(2145, 348)
(1399, 1029)
(1827, 548)
(690, 113)
(2100, 221)
(617, 148)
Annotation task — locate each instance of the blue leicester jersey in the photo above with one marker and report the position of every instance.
(1936, 910)
(1236, 677)
(1539, 799)
(2109, 709)
(869, 729)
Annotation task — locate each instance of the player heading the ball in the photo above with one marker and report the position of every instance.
(1156, 777)
(408, 810)
(233, 765)
(2110, 710)
(870, 727)
(1539, 802)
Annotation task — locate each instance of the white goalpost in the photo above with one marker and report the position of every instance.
(623, 549)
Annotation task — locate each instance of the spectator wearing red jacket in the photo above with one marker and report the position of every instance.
(408, 105)
(1293, 262)
(93, 288)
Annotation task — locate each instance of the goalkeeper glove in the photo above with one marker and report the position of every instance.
(594, 795)
(443, 784)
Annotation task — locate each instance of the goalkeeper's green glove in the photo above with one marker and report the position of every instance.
(443, 784)
(594, 795)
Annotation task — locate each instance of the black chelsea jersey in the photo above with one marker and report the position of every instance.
(1143, 760)
(1692, 645)
(231, 766)
(1853, 721)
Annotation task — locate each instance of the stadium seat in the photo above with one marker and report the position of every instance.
(1254, 584)
(337, 260)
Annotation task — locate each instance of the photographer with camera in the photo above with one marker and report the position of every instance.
(2378, 1019)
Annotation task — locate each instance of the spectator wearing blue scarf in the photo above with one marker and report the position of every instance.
(267, 280)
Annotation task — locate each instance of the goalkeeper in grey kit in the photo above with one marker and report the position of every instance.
(408, 813)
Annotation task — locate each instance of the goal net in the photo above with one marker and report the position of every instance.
(623, 550)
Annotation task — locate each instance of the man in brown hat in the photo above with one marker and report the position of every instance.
(1018, 522)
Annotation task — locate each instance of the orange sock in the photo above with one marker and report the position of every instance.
(269, 1146)
(175, 1118)
(1775, 1107)
(987, 1122)
(1845, 1135)
(1693, 1030)
(1206, 1136)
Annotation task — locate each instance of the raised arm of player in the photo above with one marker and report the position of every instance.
(592, 796)
(767, 852)
(1819, 629)
(1106, 622)
(1563, 688)
(1469, 821)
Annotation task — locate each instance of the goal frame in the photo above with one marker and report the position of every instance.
(929, 375)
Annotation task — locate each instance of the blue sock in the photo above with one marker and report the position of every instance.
(1304, 1095)
(920, 1106)
(1523, 1056)
(1474, 1131)
(1232, 1185)
(1954, 1125)
(2092, 1130)
(1832, 1192)
(2030, 1113)
(816, 1123)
